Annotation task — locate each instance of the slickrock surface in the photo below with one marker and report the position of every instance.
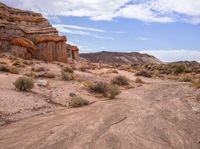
(28, 35)
(157, 115)
(119, 58)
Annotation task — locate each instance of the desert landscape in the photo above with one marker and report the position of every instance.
(53, 98)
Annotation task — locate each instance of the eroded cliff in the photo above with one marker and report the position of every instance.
(29, 35)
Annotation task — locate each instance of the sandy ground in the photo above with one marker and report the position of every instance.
(157, 115)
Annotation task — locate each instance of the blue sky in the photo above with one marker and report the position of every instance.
(167, 29)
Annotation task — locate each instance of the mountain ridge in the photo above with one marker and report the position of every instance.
(109, 57)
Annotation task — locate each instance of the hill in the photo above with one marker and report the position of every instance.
(120, 58)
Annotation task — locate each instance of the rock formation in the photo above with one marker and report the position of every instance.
(73, 52)
(28, 35)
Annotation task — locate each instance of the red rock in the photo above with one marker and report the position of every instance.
(28, 35)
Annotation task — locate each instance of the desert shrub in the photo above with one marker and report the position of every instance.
(24, 84)
(68, 70)
(138, 80)
(4, 68)
(49, 75)
(83, 69)
(67, 76)
(113, 91)
(31, 74)
(99, 87)
(120, 80)
(77, 101)
(28, 62)
(196, 83)
(10, 69)
(18, 63)
(13, 70)
(114, 71)
(186, 78)
(143, 73)
(38, 69)
(179, 68)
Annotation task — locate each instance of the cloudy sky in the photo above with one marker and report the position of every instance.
(167, 29)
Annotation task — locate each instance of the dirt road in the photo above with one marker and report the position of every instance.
(160, 115)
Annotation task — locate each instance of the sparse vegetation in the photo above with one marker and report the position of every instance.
(83, 69)
(144, 73)
(10, 69)
(179, 68)
(99, 87)
(77, 101)
(113, 91)
(24, 84)
(48, 75)
(186, 78)
(67, 76)
(138, 80)
(114, 71)
(120, 80)
(196, 83)
(38, 69)
(110, 91)
(68, 70)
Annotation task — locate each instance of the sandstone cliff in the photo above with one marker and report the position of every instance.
(28, 35)
(120, 58)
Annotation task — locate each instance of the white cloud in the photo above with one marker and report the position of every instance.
(143, 38)
(162, 11)
(78, 27)
(81, 30)
(175, 55)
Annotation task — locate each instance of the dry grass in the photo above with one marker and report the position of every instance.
(68, 70)
(67, 76)
(143, 73)
(10, 69)
(77, 101)
(120, 80)
(196, 83)
(138, 80)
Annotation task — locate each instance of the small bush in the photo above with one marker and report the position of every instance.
(186, 78)
(67, 76)
(83, 69)
(115, 71)
(179, 68)
(38, 69)
(120, 80)
(138, 80)
(13, 70)
(19, 63)
(10, 69)
(46, 75)
(99, 87)
(113, 91)
(68, 69)
(77, 101)
(196, 83)
(143, 73)
(24, 84)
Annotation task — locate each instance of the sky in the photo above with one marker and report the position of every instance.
(167, 29)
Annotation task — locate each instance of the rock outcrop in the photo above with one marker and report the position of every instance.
(120, 58)
(28, 35)
(73, 52)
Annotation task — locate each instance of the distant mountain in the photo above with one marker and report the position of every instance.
(119, 58)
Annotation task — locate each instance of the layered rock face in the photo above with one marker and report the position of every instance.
(73, 52)
(28, 35)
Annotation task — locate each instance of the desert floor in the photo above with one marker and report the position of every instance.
(159, 114)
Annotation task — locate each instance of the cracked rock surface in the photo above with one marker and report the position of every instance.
(159, 115)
